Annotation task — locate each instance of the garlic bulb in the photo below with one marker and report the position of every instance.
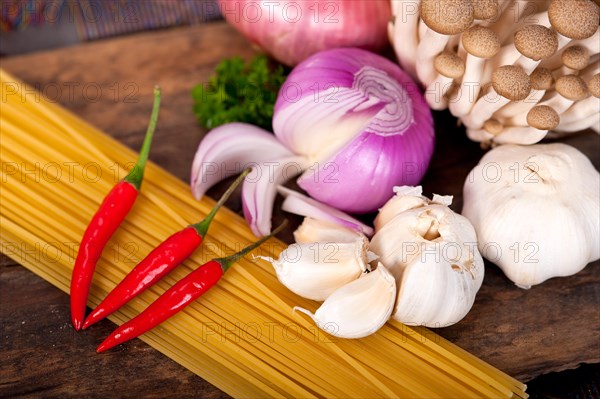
(536, 210)
(315, 270)
(359, 308)
(432, 253)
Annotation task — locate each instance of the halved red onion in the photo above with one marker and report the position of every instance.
(360, 121)
(260, 189)
(228, 150)
(302, 205)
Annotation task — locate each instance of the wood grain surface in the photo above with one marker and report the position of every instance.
(525, 333)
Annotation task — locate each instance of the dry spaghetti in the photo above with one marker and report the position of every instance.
(56, 169)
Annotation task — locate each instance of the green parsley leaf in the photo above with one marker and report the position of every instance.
(239, 92)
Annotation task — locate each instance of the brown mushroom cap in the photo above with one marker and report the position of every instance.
(536, 42)
(493, 126)
(543, 117)
(541, 79)
(575, 19)
(485, 9)
(511, 82)
(449, 64)
(481, 42)
(594, 85)
(576, 57)
(571, 87)
(447, 17)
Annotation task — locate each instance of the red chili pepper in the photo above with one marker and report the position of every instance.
(164, 258)
(184, 292)
(105, 222)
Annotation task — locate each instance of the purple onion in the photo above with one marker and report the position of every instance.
(360, 121)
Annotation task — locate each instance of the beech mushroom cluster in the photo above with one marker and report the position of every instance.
(512, 71)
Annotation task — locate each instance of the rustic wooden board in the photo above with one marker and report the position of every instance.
(109, 83)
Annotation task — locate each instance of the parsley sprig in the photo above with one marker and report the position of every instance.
(239, 92)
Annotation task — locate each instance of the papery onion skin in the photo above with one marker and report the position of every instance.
(290, 31)
(359, 156)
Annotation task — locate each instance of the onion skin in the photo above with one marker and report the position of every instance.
(358, 153)
(291, 31)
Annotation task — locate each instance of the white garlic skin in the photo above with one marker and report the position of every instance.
(358, 309)
(536, 210)
(406, 197)
(313, 230)
(315, 270)
(432, 252)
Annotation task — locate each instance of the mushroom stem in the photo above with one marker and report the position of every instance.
(480, 135)
(454, 42)
(515, 113)
(523, 135)
(556, 101)
(590, 121)
(436, 93)
(486, 134)
(403, 33)
(469, 88)
(449, 67)
(484, 108)
(579, 111)
(592, 69)
(444, 19)
(481, 43)
(430, 45)
(512, 13)
(422, 29)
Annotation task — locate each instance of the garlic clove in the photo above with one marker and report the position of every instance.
(438, 288)
(315, 270)
(314, 230)
(357, 309)
(407, 197)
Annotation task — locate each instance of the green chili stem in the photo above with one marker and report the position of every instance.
(136, 175)
(202, 227)
(226, 262)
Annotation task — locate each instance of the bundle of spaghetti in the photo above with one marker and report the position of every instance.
(242, 336)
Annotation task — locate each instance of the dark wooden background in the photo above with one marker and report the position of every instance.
(552, 327)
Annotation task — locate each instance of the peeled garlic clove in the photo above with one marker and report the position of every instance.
(316, 270)
(359, 308)
(536, 210)
(314, 230)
